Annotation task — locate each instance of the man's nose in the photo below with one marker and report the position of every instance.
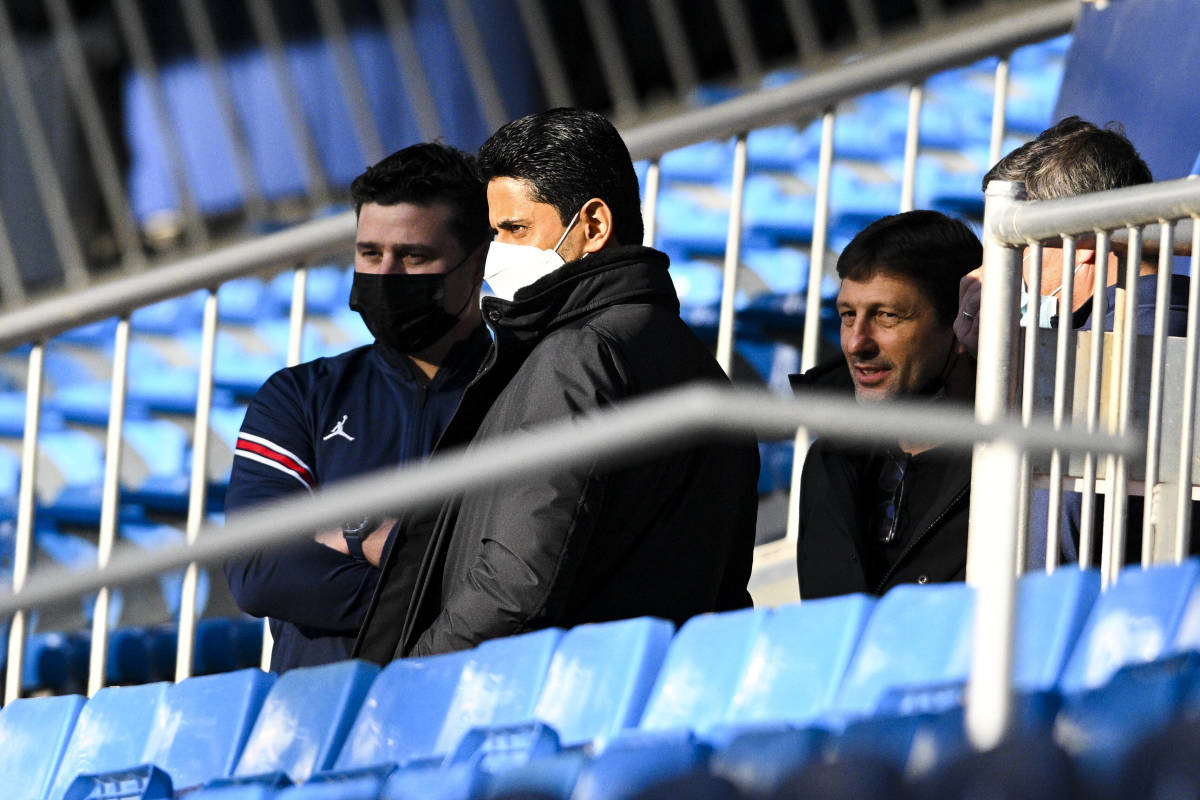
(857, 339)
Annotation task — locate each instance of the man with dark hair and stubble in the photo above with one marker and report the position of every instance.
(584, 317)
(418, 266)
(874, 517)
(1071, 158)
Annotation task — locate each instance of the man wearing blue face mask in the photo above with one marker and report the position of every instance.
(419, 252)
(583, 318)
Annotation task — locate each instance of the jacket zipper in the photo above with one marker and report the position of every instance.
(912, 545)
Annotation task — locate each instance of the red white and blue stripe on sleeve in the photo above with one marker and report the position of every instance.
(267, 452)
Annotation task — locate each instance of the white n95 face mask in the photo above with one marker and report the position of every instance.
(510, 267)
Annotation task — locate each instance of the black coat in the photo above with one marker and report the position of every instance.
(671, 537)
(834, 519)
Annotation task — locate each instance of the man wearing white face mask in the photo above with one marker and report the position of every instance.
(1072, 158)
(584, 317)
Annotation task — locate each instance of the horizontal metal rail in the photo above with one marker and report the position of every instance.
(1042, 220)
(830, 87)
(638, 428)
(301, 244)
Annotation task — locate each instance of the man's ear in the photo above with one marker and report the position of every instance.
(595, 221)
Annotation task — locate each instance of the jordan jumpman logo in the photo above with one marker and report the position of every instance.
(339, 431)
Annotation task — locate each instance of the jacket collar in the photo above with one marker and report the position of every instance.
(631, 274)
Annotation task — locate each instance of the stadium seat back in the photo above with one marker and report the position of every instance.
(202, 725)
(798, 660)
(500, 684)
(402, 715)
(601, 676)
(1051, 612)
(305, 719)
(33, 736)
(111, 732)
(703, 669)
(917, 636)
(1134, 621)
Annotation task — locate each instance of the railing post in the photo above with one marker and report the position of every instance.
(733, 256)
(995, 488)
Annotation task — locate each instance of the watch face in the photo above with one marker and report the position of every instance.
(359, 527)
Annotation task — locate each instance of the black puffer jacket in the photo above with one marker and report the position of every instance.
(672, 537)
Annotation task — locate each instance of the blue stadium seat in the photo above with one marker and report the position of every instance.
(759, 761)
(1051, 612)
(600, 678)
(629, 766)
(33, 736)
(700, 676)
(111, 732)
(305, 720)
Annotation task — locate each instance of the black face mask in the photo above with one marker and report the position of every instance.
(405, 312)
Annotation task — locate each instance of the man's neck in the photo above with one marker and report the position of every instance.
(430, 360)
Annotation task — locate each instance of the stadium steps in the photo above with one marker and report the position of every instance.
(744, 700)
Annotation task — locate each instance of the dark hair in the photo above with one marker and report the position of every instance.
(1071, 158)
(568, 156)
(428, 173)
(926, 247)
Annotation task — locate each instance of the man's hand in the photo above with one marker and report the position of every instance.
(372, 545)
(966, 324)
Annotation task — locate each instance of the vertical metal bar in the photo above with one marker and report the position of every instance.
(1183, 512)
(675, 47)
(408, 59)
(799, 454)
(205, 41)
(988, 700)
(96, 137)
(804, 28)
(733, 254)
(1064, 382)
(491, 102)
(611, 54)
(362, 121)
(11, 284)
(994, 384)
(995, 489)
(1087, 515)
(650, 207)
(1028, 399)
(741, 40)
(25, 511)
(198, 490)
(540, 36)
(110, 499)
(1150, 528)
(1116, 509)
(929, 11)
(266, 29)
(820, 238)
(45, 173)
(999, 105)
(866, 22)
(138, 43)
(912, 146)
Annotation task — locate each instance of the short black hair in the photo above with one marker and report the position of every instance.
(568, 156)
(930, 249)
(428, 173)
(1071, 158)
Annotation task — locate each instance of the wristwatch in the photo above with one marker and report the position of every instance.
(354, 532)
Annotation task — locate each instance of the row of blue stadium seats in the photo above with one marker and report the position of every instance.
(602, 709)
(58, 661)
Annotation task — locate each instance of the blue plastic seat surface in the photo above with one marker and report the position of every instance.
(1052, 609)
(499, 685)
(401, 717)
(111, 733)
(601, 676)
(1134, 621)
(797, 662)
(917, 636)
(630, 766)
(305, 719)
(33, 736)
(703, 668)
(202, 725)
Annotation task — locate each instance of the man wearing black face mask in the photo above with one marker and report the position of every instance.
(418, 265)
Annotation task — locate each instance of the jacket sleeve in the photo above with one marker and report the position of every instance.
(533, 534)
(304, 583)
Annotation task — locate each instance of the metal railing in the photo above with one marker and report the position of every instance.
(1113, 398)
(613, 437)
